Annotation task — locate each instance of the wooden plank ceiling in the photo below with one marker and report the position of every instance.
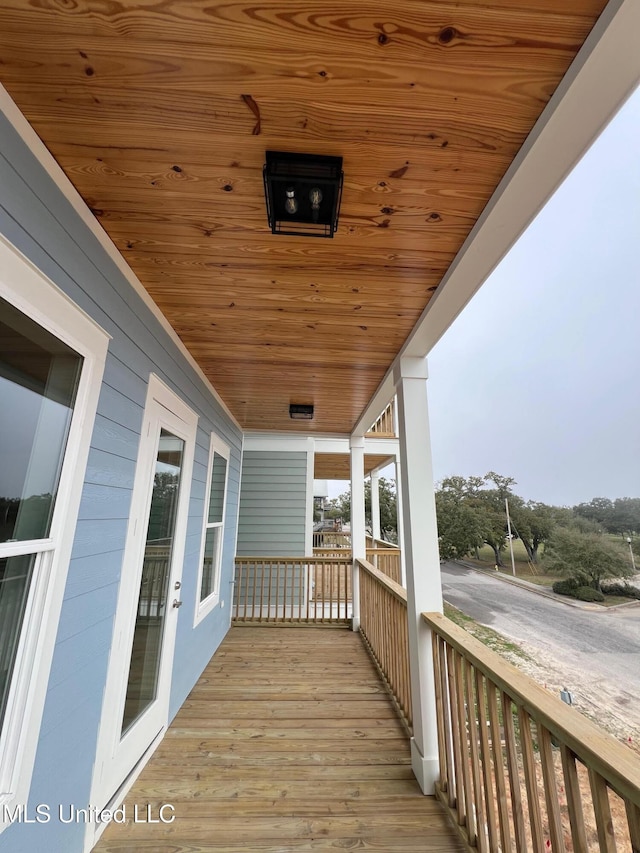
(160, 112)
(337, 466)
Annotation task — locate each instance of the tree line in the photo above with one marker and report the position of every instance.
(471, 514)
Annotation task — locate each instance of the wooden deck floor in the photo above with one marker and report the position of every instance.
(287, 744)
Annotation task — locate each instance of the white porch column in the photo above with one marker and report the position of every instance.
(375, 505)
(358, 542)
(424, 592)
(400, 519)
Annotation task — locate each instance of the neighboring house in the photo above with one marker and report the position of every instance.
(134, 468)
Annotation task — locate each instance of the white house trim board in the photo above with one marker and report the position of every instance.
(308, 529)
(117, 755)
(603, 75)
(331, 445)
(424, 592)
(358, 539)
(57, 175)
(278, 443)
(232, 582)
(203, 608)
(25, 287)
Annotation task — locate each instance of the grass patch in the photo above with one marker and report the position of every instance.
(523, 570)
(489, 637)
(612, 600)
(541, 580)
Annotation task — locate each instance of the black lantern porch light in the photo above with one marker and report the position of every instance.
(303, 193)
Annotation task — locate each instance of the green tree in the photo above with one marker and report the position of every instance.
(587, 557)
(533, 523)
(388, 507)
(599, 510)
(625, 517)
(460, 525)
(484, 511)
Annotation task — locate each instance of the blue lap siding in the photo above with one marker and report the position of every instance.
(37, 218)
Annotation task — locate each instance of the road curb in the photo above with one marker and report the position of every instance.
(534, 588)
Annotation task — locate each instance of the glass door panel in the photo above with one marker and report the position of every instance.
(146, 653)
(15, 582)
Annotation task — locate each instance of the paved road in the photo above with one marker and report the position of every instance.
(596, 651)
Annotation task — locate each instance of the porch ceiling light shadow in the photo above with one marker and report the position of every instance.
(302, 193)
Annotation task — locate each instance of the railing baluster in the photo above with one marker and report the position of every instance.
(278, 591)
(602, 810)
(446, 720)
(485, 758)
(498, 767)
(269, 591)
(253, 598)
(290, 576)
(550, 790)
(332, 572)
(514, 775)
(457, 730)
(633, 820)
(472, 718)
(531, 782)
(469, 814)
(261, 607)
(574, 800)
(245, 609)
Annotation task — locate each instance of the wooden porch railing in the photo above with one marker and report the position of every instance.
(520, 770)
(292, 590)
(383, 625)
(387, 561)
(384, 427)
(331, 539)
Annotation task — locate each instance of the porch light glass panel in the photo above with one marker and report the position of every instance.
(15, 583)
(213, 534)
(146, 652)
(39, 377)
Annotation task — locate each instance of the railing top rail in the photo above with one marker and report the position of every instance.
(616, 763)
(311, 558)
(386, 551)
(392, 587)
(382, 543)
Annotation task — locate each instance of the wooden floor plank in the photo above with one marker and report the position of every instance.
(296, 754)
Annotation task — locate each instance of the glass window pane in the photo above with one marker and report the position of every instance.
(38, 382)
(216, 496)
(210, 563)
(149, 630)
(15, 582)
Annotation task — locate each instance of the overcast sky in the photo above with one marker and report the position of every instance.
(538, 378)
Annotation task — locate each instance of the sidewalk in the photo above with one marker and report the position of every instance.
(546, 592)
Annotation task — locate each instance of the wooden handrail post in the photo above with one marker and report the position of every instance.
(358, 534)
(422, 561)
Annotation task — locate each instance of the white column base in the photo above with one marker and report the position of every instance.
(355, 623)
(426, 770)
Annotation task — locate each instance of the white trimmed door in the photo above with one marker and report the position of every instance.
(136, 702)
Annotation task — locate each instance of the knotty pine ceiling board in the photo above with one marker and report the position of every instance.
(144, 105)
(337, 466)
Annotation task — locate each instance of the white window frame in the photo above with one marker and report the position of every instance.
(206, 605)
(30, 291)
